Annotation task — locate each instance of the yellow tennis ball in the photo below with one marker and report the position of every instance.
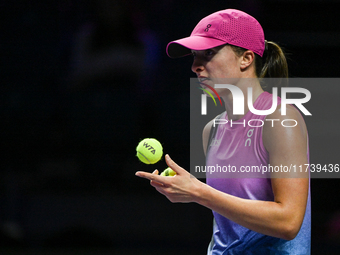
(168, 172)
(149, 151)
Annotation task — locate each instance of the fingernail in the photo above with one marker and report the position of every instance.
(167, 156)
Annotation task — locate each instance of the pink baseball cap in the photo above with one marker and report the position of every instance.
(227, 26)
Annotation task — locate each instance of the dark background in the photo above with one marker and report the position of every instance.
(69, 130)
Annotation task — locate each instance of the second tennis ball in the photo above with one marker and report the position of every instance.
(168, 172)
(149, 151)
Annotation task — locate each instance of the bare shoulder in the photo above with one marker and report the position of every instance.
(292, 118)
(291, 112)
(289, 129)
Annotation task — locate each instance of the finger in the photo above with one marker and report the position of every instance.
(151, 177)
(156, 184)
(179, 170)
(142, 174)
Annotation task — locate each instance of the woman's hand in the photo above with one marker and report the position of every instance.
(183, 187)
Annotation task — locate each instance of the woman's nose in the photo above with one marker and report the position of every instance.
(197, 66)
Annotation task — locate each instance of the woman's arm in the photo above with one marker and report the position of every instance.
(279, 218)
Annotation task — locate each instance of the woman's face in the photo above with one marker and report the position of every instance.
(216, 64)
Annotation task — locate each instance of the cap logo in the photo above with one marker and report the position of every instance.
(207, 29)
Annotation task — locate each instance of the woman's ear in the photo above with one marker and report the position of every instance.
(247, 59)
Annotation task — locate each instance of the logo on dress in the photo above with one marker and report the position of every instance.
(249, 134)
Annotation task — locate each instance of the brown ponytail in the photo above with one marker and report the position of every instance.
(275, 65)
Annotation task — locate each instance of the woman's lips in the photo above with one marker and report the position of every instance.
(203, 81)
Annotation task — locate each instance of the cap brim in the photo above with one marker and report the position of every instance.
(183, 47)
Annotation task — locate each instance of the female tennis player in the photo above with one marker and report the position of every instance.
(251, 215)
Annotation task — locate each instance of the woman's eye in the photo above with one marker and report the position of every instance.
(209, 52)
